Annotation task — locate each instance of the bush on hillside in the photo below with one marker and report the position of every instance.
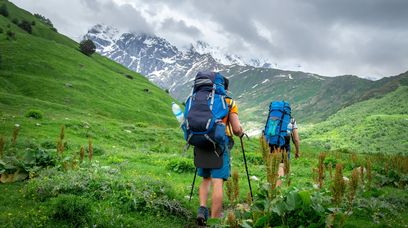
(26, 25)
(181, 165)
(96, 150)
(87, 47)
(54, 29)
(129, 76)
(33, 113)
(1, 30)
(33, 23)
(4, 10)
(11, 35)
(48, 144)
(44, 20)
(72, 209)
(15, 21)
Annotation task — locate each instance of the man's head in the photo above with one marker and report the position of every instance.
(226, 83)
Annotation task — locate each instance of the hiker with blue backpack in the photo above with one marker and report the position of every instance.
(280, 128)
(211, 117)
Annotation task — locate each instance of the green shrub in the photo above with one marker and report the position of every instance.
(4, 10)
(129, 76)
(87, 47)
(33, 23)
(97, 150)
(15, 21)
(181, 165)
(49, 144)
(43, 157)
(141, 194)
(1, 30)
(293, 209)
(72, 209)
(25, 25)
(329, 160)
(34, 113)
(44, 20)
(141, 124)
(11, 35)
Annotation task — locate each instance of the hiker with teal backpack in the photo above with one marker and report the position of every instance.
(280, 128)
(211, 117)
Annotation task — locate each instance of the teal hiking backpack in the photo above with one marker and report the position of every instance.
(277, 123)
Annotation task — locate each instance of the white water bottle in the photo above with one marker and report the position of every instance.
(177, 112)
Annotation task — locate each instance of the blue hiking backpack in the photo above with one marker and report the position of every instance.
(276, 126)
(205, 109)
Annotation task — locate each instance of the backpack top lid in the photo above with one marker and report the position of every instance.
(280, 106)
(207, 81)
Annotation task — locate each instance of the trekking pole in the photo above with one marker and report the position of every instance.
(192, 185)
(246, 167)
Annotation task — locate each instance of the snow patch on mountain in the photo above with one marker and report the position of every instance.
(226, 58)
(315, 76)
(289, 76)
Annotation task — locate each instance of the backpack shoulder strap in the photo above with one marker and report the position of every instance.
(231, 104)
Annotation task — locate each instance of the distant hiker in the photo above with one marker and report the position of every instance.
(280, 128)
(210, 117)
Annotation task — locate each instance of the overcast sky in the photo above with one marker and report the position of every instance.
(368, 38)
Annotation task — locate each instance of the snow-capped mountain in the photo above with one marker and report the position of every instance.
(224, 57)
(151, 56)
(161, 62)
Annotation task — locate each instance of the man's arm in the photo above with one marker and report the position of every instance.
(296, 141)
(236, 125)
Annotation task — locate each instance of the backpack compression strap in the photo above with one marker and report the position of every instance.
(280, 126)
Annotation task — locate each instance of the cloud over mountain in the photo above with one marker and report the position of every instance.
(366, 38)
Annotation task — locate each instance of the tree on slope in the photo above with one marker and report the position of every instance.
(87, 47)
(4, 10)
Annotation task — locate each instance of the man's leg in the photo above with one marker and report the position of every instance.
(203, 191)
(217, 197)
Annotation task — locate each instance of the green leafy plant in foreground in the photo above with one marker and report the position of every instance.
(181, 165)
(96, 182)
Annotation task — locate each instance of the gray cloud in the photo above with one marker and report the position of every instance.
(123, 16)
(172, 25)
(364, 37)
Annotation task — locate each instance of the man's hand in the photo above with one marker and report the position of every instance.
(297, 155)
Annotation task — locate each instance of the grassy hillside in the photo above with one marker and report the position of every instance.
(313, 97)
(372, 126)
(124, 115)
(45, 70)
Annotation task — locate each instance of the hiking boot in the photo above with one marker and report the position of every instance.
(202, 216)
